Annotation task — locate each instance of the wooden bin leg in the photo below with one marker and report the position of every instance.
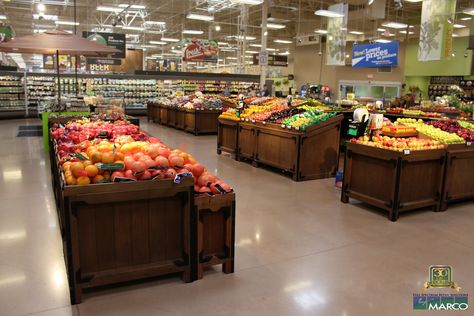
(346, 176)
(228, 265)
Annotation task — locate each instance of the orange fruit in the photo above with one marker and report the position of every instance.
(87, 163)
(83, 180)
(90, 150)
(106, 175)
(108, 157)
(91, 170)
(67, 165)
(70, 180)
(119, 156)
(76, 168)
(96, 156)
(98, 178)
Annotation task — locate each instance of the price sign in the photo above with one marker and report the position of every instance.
(263, 58)
(406, 151)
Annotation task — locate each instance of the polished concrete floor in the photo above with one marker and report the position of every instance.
(299, 250)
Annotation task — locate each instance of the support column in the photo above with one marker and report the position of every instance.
(263, 68)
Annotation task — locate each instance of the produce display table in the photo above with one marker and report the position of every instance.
(459, 174)
(391, 180)
(195, 121)
(306, 155)
(45, 124)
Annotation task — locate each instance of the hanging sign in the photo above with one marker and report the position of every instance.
(375, 55)
(201, 50)
(436, 30)
(6, 33)
(336, 36)
(114, 40)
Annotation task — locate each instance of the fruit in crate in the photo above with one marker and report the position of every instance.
(394, 110)
(121, 158)
(398, 144)
(431, 131)
(308, 118)
(230, 114)
(467, 125)
(454, 127)
(412, 112)
(399, 130)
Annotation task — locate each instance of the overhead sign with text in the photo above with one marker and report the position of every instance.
(375, 55)
(114, 40)
(272, 60)
(201, 50)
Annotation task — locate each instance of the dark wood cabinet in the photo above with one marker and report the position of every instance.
(247, 141)
(277, 148)
(227, 136)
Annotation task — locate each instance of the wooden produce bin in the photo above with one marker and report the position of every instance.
(172, 116)
(459, 174)
(201, 121)
(391, 180)
(127, 231)
(179, 119)
(308, 155)
(163, 115)
(227, 136)
(215, 232)
(154, 112)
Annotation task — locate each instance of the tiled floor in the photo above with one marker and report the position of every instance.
(299, 250)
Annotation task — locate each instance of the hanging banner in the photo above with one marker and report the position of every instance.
(336, 36)
(375, 55)
(114, 40)
(437, 19)
(201, 50)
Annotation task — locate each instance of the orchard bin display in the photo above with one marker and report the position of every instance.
(131, 208)
(301, 141)
(196, 113)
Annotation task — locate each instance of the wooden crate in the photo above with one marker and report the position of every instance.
(201, 121)
(391, 180)
(459, 175)
(215, 232)
(156, 112)
(163, 115)
(308, 155)
(227, 136)
(127, 231)
(180, 119)
(149, 111)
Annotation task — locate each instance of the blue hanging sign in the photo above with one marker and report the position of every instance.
(375, 55)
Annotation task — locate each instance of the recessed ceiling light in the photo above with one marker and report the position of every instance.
(321, 31)
(458, 26)
(41, 7)
(395, 25)
(196, 32)
(282, 41)
(200, 17)
(467, 18)
(330, 14)
(356, 32)
(169, 39)
(217, 28)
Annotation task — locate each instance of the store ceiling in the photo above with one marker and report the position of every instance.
(297, 17)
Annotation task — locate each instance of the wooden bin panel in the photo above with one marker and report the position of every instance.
(459, 175)
(179, 119)
(319, 153)
(164, 115)
(156, 113)
(206, 121)
(372, 178)
(278, 149)
(172, 117)
(227, 136)
(189, 121)
(247, 141)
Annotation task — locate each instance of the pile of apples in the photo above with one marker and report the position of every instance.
(398, 144)
(452, 126)
(432, 131)
(125, 159)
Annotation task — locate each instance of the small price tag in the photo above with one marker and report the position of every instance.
(406, 151)
(468, 143)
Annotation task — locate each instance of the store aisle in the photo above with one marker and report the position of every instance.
(299, 250)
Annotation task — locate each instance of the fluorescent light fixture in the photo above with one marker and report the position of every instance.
(175, 51)
(105, 8)
(455, 35)
(271, 49)
(133, 28)
(284, 53)
(169, 39)
(147, 46)
(356, 32)
(395, 25)
(157, 43)
(469, 11)
(329, 14)
(282, 41)
(197, 32)
(217, 28)
(321, 31)
(37, 31)
(251, 52)
(413, 1)
(467, 18)
(66, 23)
(275, 26)
(200, 17)
(3, 17)
(46, 17)
(133, 6)
(255, 45)
(250, 2)
(41, 7)
(240, 37)
(409, 33)
(381, 40)
(155, 23)
(458, 26)
(224, 43)
(231, 58)
(381, 29)
(228, 50)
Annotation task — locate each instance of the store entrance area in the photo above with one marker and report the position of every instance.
(299, 251)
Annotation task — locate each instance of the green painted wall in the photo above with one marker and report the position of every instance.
(420, 82)
(454, 66)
